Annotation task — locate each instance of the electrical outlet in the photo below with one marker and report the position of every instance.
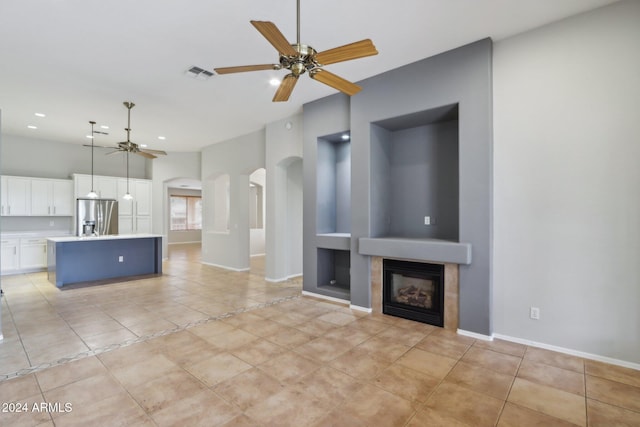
(120, 258)
(534, 313)
(427, 220)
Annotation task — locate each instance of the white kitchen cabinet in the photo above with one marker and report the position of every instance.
(106, 187)
(33, 253)
(142, 197)
(16, 196)
(3, 194)
(143, 224)
(125, 207)
(134, 216)
(51, 197)
(125, 224)
(10, 255)
(63, 200)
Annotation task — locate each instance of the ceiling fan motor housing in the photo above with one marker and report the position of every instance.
(304, 61)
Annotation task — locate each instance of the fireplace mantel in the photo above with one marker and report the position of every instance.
(436, 250)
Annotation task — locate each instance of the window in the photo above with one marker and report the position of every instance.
(186, 213)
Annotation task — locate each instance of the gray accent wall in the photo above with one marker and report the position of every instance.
(322, 119)
(421, 145)
(463, 77)
(422, 174)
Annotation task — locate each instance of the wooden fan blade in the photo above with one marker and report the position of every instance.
(285, 88)
(243, 68)
(144, 154)
(347, 52)
(148, 150)
(335, 82)
(97, 146)
(273, 35)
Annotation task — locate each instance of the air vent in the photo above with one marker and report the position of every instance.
(198, 73)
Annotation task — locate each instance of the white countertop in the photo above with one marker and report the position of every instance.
(105, 237)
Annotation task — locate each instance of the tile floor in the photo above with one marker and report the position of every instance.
(204, 346)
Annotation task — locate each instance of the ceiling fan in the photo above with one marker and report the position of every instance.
(300, 58)
(131, 147)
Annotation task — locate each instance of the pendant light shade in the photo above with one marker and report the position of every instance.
(92, 194)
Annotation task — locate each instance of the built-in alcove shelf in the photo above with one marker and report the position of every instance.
(341, 241)
(333, 181)
(434, 250)
(415, 175)
(334, 273)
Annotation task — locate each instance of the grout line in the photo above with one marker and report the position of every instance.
(126, 343)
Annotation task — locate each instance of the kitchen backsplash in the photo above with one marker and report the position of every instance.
(55, 225)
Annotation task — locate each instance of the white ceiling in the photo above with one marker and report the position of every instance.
(78, 60)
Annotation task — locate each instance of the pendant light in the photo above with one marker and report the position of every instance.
(127, 195)
(92, 194)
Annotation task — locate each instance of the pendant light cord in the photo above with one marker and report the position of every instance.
(92, 137)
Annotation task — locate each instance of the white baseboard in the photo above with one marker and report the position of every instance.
(184, 243)
(311, 294)
(475, 335)
(251, 256)
(225, 267)
(571, 352)
(358, 308)
(284, 279)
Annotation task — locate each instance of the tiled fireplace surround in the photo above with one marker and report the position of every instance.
(451, 290)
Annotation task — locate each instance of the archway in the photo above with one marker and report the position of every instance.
(182, 214)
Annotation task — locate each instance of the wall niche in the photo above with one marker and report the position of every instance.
(333, 182)
(415, 175)
(334, 275)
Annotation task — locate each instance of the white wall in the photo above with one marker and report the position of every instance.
(567, 183)
(238, 157)
(50, 159)
(284, 198)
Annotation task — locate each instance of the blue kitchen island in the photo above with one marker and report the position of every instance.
(89, 259)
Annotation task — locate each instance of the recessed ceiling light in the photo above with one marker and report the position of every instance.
(104, 127)
(345, 136)
(143, 145)
(89, 136)
(40, 115)
(32, 127)
(274, 82)
(162, 138)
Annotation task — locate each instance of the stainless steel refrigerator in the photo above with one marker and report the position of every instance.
(96, 217)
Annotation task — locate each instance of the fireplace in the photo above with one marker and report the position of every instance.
(414, 291)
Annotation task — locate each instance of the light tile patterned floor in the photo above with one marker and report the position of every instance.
(204, 346)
